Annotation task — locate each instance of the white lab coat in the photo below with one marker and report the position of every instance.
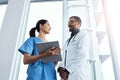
(75, 56)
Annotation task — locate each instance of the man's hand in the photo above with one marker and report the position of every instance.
(63, 73)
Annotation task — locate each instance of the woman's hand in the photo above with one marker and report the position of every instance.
(56, 51)
(52, 51)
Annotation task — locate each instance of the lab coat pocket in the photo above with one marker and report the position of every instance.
(73, 42)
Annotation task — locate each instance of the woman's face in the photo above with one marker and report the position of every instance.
(45, 28)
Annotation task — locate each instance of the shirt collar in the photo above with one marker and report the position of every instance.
(74, 32)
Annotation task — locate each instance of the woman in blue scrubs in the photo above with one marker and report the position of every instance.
(37, 70)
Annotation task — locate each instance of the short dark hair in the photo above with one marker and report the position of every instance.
(76, 18)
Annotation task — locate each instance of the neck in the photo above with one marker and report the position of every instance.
(75, 31)
(42, 36)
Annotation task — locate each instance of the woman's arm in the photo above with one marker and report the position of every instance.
(28, 59)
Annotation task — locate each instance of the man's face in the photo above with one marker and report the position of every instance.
(73, 24)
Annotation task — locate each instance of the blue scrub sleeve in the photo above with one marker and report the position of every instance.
(27, 46)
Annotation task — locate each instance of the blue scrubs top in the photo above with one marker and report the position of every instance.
(37, 70)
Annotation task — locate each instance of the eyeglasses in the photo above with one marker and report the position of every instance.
(72, 21)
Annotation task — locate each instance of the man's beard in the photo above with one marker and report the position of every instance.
(71, 28)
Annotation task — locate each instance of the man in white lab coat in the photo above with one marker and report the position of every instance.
(74, 65)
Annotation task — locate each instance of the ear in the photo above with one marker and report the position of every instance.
(77, 23)
(40, 26)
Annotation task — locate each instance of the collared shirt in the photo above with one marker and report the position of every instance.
(74, 32)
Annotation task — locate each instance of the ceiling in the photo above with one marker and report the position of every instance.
(6, 1)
